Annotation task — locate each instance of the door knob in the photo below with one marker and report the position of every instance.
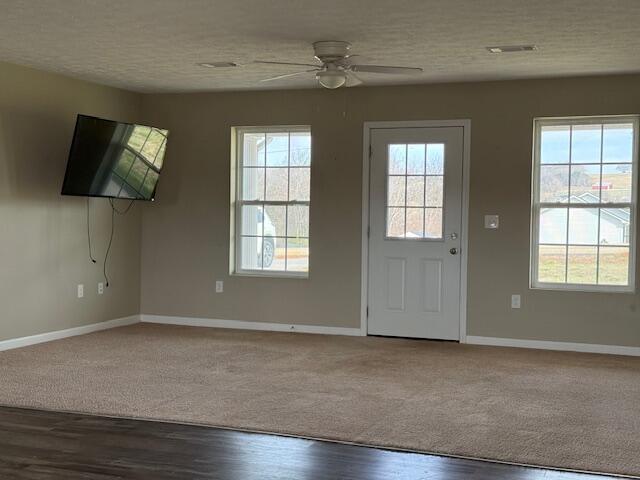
(453, 251)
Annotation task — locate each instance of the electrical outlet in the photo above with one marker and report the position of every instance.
(80, 290)
(219, 286)
(100, 288)
(515, 301)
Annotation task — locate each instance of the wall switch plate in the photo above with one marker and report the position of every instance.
(219, 286)
(515, 301)
(491, 222)
(80, 290)
(100, 288)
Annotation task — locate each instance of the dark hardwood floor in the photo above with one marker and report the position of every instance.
(48, 445)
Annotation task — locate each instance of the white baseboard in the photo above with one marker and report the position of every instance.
(242, 325)
(69, 332)
(547, 345)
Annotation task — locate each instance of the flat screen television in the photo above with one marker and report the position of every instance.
(114, 159)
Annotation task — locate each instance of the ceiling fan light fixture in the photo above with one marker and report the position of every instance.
(331, 79)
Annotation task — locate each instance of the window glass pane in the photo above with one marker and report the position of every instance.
(615, 226)
(415, 191)
(613, 266)
(396, 191)
(415, 159)
(395, 222)
(583, 226)
(274, 253)
(253, 184)
(299, 188)
(397, 159)
(435, 159)
(253, 149)
(160, 157)
(433, 223)
(585, 183)
(582, 265)
(554, 144)
(277, 149)
(552, 263)
(434, 191)
(415, 223)
(297, 221)
(616, 183)
(554, 183)
(251, 253)
(297, 255)
(585, 143)
(553, 225)
(300, 154)
(251, 220)
(617, 143)
(275, 220)
(277, 181)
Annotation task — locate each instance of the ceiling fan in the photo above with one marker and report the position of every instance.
(336, 67)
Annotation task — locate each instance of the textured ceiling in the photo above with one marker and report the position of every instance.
(154, 45)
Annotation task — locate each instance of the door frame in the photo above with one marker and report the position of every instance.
(366, 178)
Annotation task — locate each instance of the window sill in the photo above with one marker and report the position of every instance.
(570, 287)
(274, 274)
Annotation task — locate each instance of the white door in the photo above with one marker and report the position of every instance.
(415, 209)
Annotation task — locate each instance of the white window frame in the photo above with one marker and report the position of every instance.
(536, 205)
(237, 203)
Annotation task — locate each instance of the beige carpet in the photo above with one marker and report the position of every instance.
(569, 410)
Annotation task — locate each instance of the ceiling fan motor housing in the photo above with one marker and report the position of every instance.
(331, 51)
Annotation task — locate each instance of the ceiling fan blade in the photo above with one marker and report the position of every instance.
(386, 69)
(286, 75)
(265, 62)
(352, 79)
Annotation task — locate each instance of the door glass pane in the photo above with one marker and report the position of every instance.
(415, 191)
(434, 186)
(435, 159)
(415, 223)
(397, 159)
(416, 159)
(396, 191)
(395, 222)
(433, 223)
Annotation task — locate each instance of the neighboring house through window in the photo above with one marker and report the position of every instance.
(584, 203)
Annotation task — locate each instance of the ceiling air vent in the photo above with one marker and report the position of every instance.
(218, 64)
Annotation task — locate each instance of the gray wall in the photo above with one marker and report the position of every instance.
(43, 238)
(186, 232)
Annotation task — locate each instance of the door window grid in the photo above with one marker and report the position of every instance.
(577, 199)
(272, 209)
(415, 184)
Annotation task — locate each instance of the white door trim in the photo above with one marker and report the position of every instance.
(466, 163)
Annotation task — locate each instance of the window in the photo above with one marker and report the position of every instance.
(415, 182)
(584, 203)
(271, 205)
